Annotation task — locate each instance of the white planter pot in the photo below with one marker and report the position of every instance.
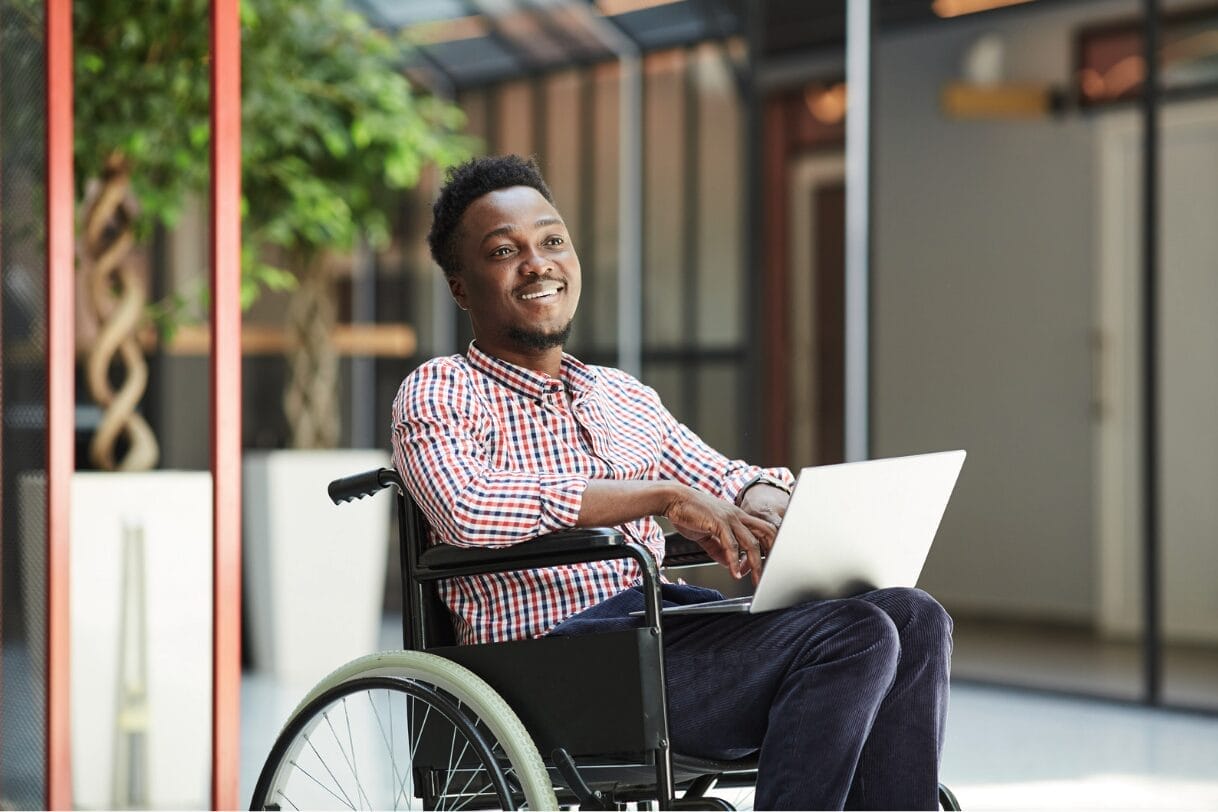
(166, 733)
(314, 572)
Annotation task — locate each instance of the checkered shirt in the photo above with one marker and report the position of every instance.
(496, 455)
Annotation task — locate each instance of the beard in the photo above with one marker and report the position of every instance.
(539, 339)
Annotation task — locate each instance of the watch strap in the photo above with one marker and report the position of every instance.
(761, 479)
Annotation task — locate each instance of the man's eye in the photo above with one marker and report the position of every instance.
(501, 251)
(555, 240)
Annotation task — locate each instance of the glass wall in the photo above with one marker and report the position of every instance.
(23, 621)
(1008, 320)
(1006, 303)
(693, 316)
(1188, 363)
(985, 285)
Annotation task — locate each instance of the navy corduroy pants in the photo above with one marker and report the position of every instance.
(844, 700)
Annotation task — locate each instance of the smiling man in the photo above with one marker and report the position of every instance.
(845, 700)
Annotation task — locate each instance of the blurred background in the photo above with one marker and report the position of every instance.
(698, 151)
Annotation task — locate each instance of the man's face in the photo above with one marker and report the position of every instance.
(519, 276)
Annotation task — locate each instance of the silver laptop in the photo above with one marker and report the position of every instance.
(850, 528)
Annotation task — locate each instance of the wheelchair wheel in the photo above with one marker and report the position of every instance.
(403, 730)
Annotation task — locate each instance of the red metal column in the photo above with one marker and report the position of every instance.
(61, 393)
(226, 399)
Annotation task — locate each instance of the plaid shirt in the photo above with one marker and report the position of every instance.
(497, 455)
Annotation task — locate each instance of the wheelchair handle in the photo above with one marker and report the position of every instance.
(357, 486)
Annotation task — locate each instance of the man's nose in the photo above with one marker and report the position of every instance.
(534, 263)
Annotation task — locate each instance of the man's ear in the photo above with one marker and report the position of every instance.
(456, 286)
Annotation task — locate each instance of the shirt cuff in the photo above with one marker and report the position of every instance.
(561, 499)
(731, 488)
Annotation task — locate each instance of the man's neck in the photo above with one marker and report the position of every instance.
(547, 362)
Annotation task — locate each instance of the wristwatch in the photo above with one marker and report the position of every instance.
(761, 479)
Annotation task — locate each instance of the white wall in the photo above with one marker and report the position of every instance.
(983, 299)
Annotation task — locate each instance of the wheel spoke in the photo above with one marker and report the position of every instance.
(452, 745)
(412, 743)
(465, 801)
(392, 741)
(289, 800)
(453, 769)
(309, 775)
(359, 790)
(354, 764)
(333, 777)
(473, 795)
(395, 785)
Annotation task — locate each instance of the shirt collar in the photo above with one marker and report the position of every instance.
(576, 376)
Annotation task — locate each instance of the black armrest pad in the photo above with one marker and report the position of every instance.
(543, 548)
(682, 552)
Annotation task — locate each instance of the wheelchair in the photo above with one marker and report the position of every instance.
(538, 724)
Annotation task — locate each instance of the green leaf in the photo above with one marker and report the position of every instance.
(90, 62)
(330, 126)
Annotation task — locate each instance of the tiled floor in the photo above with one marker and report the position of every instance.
(1016, 750)
(1006, 750)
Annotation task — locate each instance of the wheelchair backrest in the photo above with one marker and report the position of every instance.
(426, 622)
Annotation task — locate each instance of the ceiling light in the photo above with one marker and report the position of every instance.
(827, 105)
(957, 8)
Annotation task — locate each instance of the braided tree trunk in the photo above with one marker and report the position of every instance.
(116, 296)
(311, 399)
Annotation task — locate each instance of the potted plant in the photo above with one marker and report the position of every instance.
(332, 130)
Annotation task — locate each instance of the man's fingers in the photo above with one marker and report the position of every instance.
(728, 535)
(749, 555)
(764, 531)
(767, 542)
(719, 546)
(734, 538)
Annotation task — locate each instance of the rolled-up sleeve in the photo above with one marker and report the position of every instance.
(687, 458)
(439, 431)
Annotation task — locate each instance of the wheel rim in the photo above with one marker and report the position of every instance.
(386, 743)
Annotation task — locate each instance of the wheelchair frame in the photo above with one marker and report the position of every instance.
(621, 743)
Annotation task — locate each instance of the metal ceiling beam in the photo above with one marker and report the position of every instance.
(630, 187)
(448, 85)
(529, 61)
(544, 12)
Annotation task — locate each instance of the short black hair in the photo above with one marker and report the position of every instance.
(465, 184)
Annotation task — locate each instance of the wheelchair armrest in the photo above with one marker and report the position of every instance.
(574, 546)
(563, 547)
(682, 552)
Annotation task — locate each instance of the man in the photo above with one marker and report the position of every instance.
(844, 699)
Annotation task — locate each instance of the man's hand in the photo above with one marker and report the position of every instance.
(766, 502)
(727, 533)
